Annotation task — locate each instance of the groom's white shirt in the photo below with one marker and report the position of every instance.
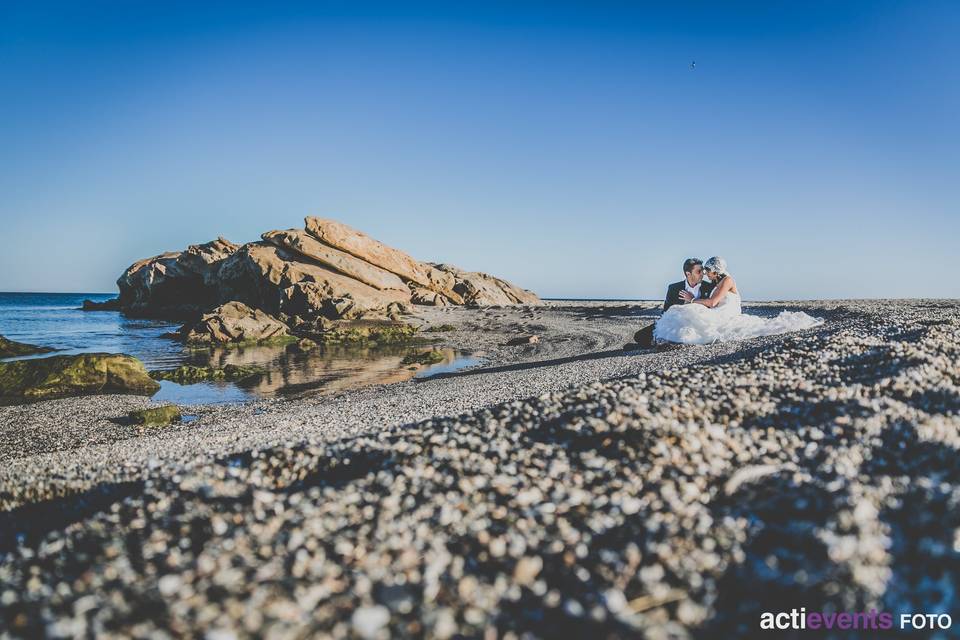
(694, 291)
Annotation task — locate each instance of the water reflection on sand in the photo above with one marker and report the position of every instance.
(296, 373)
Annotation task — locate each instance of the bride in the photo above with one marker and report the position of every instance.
(718, 318)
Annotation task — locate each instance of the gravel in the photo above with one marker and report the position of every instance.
(563, 488)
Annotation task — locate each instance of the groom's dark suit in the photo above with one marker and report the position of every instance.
(644, 337)
(673, 292)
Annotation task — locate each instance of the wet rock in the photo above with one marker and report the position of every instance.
(155, 417)
(86, 373)
(423, 358)
(189, 374)
(366, 332)
(106, 305)
(10, 348)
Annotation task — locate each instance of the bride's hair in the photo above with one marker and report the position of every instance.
(716, 263)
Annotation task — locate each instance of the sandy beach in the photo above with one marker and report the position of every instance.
(567, 486)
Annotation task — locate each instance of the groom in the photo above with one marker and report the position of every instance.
(691, 288)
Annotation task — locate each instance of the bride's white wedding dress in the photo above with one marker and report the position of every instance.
(698, 324)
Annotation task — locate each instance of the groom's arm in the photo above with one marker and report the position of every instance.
(673, 297)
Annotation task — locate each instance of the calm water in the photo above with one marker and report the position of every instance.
(54, 320)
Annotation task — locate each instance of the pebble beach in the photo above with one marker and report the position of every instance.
(573, 487)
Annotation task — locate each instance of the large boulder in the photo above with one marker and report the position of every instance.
(10, 348)
(87, 373)
(235, 323)
(328, 270)
(174, 284)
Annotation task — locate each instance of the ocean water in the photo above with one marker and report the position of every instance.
(55, 320)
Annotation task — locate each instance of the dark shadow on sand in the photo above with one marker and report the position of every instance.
(29, 523)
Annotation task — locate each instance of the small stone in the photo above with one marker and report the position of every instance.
(368, 621)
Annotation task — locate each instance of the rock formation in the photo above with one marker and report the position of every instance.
(235, 323)
(175, 284)
(74, 375)
(10, 348)
(326, 270)
(107, 305)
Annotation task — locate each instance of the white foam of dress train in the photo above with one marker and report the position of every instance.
(698, 324)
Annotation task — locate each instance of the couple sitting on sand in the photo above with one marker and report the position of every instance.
(699, 312)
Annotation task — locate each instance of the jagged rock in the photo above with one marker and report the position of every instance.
(328, 270)
(10, 348)
(235, 322)
(481, 289)
(306, 245)
(269, 278)
(106, 305)
(426, 297)
(174, 284)
(358, 244)
(86, 373)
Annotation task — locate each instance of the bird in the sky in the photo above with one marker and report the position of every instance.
(693, 65)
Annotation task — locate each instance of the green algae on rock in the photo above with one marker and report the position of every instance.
(363, 332)
(9, 348)
(189, 374)
(87, 373)
(155, 416)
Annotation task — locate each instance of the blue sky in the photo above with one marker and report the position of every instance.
(568, 147)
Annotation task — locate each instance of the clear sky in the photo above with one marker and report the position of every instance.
(568, 147)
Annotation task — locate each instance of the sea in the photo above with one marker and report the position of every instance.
(56, 320)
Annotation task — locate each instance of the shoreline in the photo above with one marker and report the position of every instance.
(85, 441)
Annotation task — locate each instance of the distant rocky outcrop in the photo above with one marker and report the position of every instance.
(10, 348)
(87, 373)
(326, 270)
(107, 305)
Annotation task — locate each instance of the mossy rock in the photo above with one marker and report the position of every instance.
(370, 333)
(425, 357)
(87, 373)
(10, 349)
(440, 328)
(275, 341)
(189, 374)
(155, 416)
